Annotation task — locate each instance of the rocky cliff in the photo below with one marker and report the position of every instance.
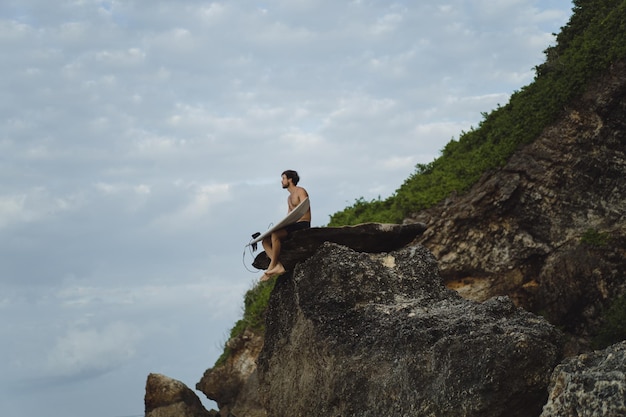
(356, 334)
(549, 228)
(591, 384)
(234, 385)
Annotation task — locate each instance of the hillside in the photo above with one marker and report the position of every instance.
(586, 47)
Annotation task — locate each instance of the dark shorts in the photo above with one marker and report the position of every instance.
(297, 226)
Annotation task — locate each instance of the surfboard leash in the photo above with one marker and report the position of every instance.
(244, 261)
(253, 248)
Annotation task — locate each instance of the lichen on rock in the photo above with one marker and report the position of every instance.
(591, 384)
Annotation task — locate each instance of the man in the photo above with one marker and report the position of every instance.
(272, 243)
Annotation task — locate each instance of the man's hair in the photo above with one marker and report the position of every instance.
(292, 175)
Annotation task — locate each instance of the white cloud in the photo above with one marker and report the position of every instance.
(213, 11)
(403, 163)
(73, 30)
(121, 58)
(142, 143)
(34, 205)
(11, 30)
(87, 351)
(11, 209)
(146, 145)
(350, 111)
(304, 142)
(151, 296)
(388, 23)
(200, 200)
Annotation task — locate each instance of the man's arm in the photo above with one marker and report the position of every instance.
(302, 194)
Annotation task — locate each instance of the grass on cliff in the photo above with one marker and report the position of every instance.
(586, 46)
(595, 238)
(613, 330)
(255, 305)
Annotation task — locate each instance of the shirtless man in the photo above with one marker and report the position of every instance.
(272, 243)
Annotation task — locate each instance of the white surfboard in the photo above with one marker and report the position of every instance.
(292, 217)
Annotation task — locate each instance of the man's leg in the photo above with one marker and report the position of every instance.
(272, 249)
(267, 245)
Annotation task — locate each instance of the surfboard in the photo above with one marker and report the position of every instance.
(292, 217)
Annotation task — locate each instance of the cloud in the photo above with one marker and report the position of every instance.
(194, 212)
(83, 353)
(141, 144)
(34, 205)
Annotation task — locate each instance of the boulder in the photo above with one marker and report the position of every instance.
(357, 334)
(367, 237)
(167, 397)
(591, 384)
(233, 384)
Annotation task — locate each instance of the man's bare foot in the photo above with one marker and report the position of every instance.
(279, 269)
(265, 277)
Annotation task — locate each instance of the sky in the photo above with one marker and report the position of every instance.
(142, 143)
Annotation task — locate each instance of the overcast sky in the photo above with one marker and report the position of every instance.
(142, 142)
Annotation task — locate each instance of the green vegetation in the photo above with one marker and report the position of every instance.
(614, 328)
(255, 305)
(595, 238)
(379, 211)
(590, 42)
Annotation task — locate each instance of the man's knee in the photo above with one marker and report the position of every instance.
(279, 235)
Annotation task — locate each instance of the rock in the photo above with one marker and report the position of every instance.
(591, 384)
(234, 384)
(368, 237)
(523, 230)
(355, 334)
(167, 397)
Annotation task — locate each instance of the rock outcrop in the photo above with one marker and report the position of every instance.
(528, 230)
(234, 384)
(167, 397)
(367, 237)
(592, 384)
(354, 334)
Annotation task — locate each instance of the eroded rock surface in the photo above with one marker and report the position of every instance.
(529, 229)
(167, 397)
(355, 334)
(589, 385)
(234, 383)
